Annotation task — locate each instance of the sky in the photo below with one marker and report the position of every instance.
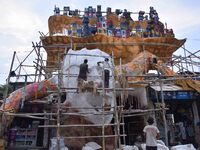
(20, 21)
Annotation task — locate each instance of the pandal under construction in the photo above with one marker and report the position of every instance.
(56, 110)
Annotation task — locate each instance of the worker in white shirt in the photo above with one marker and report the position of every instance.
(152, 134)
(106, 67)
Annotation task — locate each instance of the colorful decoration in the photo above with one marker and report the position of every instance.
(93, 19)
(27, 93)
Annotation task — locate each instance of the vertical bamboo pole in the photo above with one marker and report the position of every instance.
(124, 138)
(103, 119)
(59, 101)
(117, 123)
(185, 56)
(192, 64)
(182, 68)
(164, 112)
(5, 94)
(36, 69)
(8, 80)
(121, 104)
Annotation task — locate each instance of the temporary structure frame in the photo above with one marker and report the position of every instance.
(182, 63)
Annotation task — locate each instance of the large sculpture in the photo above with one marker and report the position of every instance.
(134, 43)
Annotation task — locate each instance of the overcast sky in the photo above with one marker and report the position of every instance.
(21, 20)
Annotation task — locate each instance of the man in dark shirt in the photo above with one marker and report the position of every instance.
(83, 70)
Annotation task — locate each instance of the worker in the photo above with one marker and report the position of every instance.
(151, 133)
(138, 142)
(83, 70)
(106, 67)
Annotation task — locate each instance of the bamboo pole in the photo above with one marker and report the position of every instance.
(163, 115)
(97, 136)
(58, 106)
(103, 90)
(78, 125)
(8, 79)
(117, 129)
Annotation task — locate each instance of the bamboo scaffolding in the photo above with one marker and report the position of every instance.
(117, 111)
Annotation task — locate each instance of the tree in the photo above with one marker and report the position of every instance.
(3, 89)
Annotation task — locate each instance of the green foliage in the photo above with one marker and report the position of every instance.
(3, 89)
